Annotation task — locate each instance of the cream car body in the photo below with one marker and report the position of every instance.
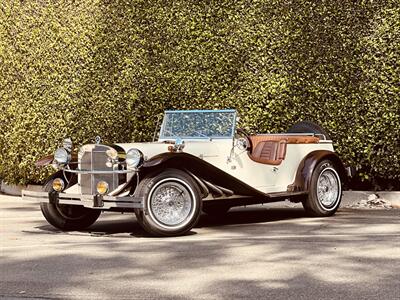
(201, 160)
(263, 177)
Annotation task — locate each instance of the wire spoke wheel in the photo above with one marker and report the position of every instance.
(328, 188)
(325, 191)
(171, 203)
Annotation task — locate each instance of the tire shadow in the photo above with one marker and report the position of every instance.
(113, 225)
(251, 215)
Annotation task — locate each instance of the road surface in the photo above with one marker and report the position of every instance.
(253, 253)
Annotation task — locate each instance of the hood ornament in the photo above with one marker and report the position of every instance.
(97, 139)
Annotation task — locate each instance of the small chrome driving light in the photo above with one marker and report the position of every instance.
(112, 153)
(109, 163)
(112, 157)
(102, 187)
(61, 156)
(58, 184)
(134, 158)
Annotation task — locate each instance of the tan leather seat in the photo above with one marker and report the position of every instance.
(269, 152)
(266, 150)
(271, 149)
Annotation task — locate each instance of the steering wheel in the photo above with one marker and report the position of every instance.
(243, 134)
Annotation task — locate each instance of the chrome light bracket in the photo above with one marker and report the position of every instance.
(67, 144)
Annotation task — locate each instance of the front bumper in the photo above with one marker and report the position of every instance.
(89, 201)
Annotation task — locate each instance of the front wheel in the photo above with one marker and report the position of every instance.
(172, 203)
(325, 191)
(68, 217)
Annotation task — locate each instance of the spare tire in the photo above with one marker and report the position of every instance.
(308, 127)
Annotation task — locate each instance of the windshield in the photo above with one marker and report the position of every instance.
(198, 124)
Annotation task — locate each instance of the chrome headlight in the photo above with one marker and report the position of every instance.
(134, 158)
(61, 156)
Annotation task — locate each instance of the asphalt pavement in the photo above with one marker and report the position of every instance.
(258, 252)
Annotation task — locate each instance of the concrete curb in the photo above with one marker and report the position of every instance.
(16, 190)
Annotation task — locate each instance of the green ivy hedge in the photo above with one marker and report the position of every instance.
(109, 68)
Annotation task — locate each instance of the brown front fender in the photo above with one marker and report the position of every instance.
(201, 169)
(47, 160)
(44, 161)
(307, 166)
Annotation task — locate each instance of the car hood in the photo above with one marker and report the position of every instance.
(198, 148)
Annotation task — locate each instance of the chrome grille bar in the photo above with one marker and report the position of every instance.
(92, 168)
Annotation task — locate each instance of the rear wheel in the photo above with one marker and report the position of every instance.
(308, 127)
(172, 203)
(325, 192)
(68, 217)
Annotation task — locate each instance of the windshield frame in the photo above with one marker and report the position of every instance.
(163, 125)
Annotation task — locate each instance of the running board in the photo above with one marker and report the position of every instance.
(286, 194)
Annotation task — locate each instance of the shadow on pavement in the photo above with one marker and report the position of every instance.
(110, 224)
(251, 215)
(233, 265)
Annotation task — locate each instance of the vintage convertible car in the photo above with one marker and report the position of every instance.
(201, 161)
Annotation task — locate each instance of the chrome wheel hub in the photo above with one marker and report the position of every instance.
(328, 188)
(171, 203)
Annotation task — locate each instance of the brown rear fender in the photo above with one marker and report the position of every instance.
(307, 166)
(201, 169)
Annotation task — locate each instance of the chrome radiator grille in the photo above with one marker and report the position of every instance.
(94, 157)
